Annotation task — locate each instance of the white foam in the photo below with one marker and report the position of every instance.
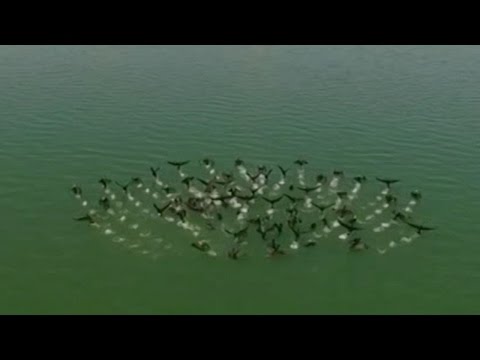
(130, 197)
(84, 203)
(386, 225)
(119, 239)
(334, 183)
(294, 245)
(133, 226)
(270, 211)
(335, 224)
(378, 229)
(211, 253)
(384, 192)
(147, 191)
(392, 244)
(308, 202)
(408, 209)
(158, 182)
(123, 218)
(412, 202)
(109, 232)
(378, 211)
(111, 211)
(370, 217)
(138, 203)
(406, 239)
(382, 251)
(113, 197)
(317, 235)
(169, 219)
(343, 236)
(385, 206)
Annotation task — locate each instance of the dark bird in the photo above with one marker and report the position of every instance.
(388, 182)
(253, 177)
(399, 216)
(168, 189)
(416, 195)
(310, 243)
(77, 190)
(274, 249)
(272, 202)
(187, 181)
(104, 182)
(162, 209)
(390, 199)
(182, 214)
(136, 180)
(154, 171)
(357, 245)
(360, 179)
(342, 194)
(124, 187)
(283, 171)
(322, 207)
(419, 228)
(239, 162)
(195, 204)
(87, 217)
(349, 227)
(178, 164)
(300, 162)
(201, 245)
(234, 253)
(208, 162)
(321, 178)
(337, 173)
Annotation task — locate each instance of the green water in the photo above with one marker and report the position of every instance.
(75, 113)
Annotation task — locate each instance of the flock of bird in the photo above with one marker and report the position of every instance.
(278, 209)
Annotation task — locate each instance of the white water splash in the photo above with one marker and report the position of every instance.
(334, 182)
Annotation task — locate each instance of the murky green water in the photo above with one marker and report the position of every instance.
(76, 113)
